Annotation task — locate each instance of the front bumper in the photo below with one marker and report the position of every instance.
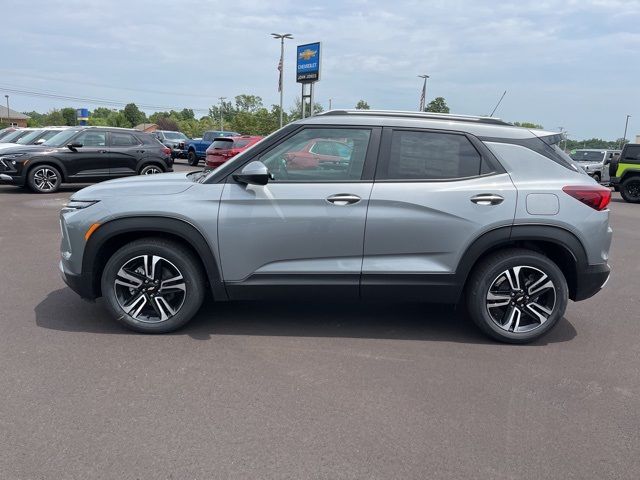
(78, 283)
(590, 281)
(11, 179)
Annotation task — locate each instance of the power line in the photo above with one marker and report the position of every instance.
(81, 82)
(96, 101)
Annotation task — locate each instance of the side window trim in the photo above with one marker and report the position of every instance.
(486, 156)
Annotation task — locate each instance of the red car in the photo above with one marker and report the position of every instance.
(224, 148)
(318, 151)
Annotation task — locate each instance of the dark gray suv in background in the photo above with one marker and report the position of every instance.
(437, 208)
(83, 154)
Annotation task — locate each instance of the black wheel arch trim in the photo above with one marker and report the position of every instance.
(506, 235)
(629, 172)
(36, 161)
(140, 224)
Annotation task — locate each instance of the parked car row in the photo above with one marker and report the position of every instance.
(83, 154)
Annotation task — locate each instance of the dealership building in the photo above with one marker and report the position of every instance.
(12, 117)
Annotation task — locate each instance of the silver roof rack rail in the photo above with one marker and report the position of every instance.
(423, 115)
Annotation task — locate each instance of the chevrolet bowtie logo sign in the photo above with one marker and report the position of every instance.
(308, 58)
(307, 54)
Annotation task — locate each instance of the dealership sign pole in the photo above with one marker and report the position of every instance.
(307, 71)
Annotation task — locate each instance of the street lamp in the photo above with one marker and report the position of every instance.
(281, 37)
(624, 138)
(423, 96)
(221, 105)
(8, 117)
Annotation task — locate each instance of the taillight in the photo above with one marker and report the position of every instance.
(595, 196)
(166, 151)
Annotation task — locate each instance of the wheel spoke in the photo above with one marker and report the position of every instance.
(127, 279)
(539, 312)
(513, 277)
(134, 307)
(540, 285)
(163, 308)
(513, 315)
(173, 284)
(498, 299)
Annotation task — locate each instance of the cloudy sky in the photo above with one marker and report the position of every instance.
(569, 63)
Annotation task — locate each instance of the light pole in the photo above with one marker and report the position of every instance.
(281, 37)
(423, 95)
(624, 138)
(8, 117)
(221, 105)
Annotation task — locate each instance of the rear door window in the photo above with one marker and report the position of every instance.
(421, 155)
(123, 140)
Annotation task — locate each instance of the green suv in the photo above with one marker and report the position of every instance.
(625, 173)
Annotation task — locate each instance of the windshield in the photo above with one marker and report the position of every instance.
(29, 137)
(587, 156)
(13, 136)
(175, 135)
(222, 144)
(62, 138)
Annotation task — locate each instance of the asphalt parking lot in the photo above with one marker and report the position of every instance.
(318, 391)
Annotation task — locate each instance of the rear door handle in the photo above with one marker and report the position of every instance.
(343, 199)
(487, 199)
(104, 151)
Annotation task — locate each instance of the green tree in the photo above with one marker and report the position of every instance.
(248, 103)
(54, 117)
(362, 105)
(69, 115)
(528, 125)
(437, 105)
(133, 115)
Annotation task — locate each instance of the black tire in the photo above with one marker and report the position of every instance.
(596, 177)
(148, 320)
(490, 270)
(630, 190)
(151, 169)
(192, 158)
(44, 179)
(616, 188)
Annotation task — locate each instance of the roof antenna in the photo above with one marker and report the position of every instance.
(497, 104)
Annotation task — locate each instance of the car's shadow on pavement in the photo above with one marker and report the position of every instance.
(63, 310)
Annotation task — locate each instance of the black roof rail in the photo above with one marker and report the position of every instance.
(422, 115)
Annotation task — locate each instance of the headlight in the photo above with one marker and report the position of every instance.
(78, 204)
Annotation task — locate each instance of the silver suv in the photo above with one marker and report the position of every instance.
(395, 205)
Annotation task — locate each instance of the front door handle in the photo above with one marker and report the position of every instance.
(343, 199)
(487, 199)
(104, 151)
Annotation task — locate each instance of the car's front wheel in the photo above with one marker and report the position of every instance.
(517, 295)
(596, 177)
(630, 190)
(44, 179)
(192, 158)
(153, 285)
(150, 170)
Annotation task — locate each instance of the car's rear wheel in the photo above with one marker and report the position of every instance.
(192, 158)
(151, 170)
(630, 190)
(516, 295)
(153, 285)
(44, 179)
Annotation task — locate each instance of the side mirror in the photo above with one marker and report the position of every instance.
(40, 141)
(254, 173)
(74, 145)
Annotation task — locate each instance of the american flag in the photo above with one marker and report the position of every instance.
(280, 75)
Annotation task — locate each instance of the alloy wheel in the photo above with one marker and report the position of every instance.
(151, 171)
(45, 179)
(150, 288)
(521, 299)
